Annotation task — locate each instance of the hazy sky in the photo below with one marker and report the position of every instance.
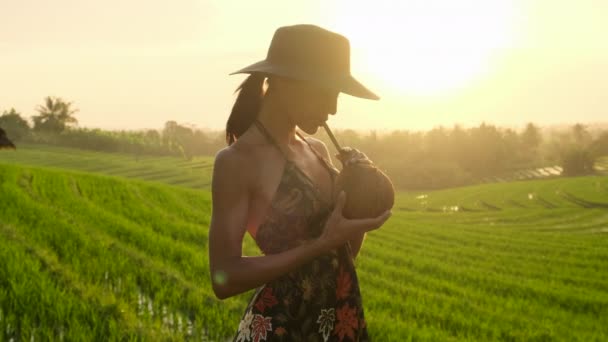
(136, 64)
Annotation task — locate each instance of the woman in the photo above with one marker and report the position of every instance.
(279, 187)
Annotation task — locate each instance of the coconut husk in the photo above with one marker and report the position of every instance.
(369, 191)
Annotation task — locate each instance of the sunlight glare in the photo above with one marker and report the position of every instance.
(426, 47)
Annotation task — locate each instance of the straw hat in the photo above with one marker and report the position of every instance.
(311, 53)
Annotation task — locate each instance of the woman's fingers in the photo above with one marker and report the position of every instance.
(359, 158)
(344, 153)
(338, 228)
(349, 155)
(368, 224)
(340, 202)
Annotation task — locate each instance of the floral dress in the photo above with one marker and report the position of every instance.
(319, 301)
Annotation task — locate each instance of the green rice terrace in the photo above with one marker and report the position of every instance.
(195, 173)
(86, 255)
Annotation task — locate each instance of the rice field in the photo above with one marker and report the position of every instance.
(195, 173)
(86, 257)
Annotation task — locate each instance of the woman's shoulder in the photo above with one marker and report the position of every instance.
(243, 154)
(232, 169)
(232, 157)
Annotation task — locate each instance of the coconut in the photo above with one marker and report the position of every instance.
(369, 191)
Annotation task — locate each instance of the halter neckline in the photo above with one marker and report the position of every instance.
(324, 162)
(276, 144)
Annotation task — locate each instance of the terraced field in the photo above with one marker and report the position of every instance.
(91, 257)
(195, 173)
(602, 164)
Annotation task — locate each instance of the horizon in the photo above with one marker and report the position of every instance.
(505, 63)
(555, 126)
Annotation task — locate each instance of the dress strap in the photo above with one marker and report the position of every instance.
(274, 142)
(320, 157)
(265, 132)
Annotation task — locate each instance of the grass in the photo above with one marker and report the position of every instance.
(113, 244)
(93, 257)
(195, 173)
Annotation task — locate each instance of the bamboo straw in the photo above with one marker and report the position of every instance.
(332, 137)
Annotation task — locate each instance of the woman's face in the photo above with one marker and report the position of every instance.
(307, 104)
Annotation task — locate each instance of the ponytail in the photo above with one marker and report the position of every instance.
(246, 107)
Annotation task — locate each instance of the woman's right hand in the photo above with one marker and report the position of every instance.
(349, 155)
(339, 229)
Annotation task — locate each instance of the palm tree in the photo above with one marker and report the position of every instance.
(4, 142)
(54, 115)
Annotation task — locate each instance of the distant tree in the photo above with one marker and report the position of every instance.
(577, 161)
(15, 126)
(170, 133)
(513, 146)
(577, 155)
(487, 155)
(437, 144)
(581, 135)
(152, 137)
(198, 142)
(180, 138)
(531, 137)
(54, 116)
(600, 145)
(459, 145)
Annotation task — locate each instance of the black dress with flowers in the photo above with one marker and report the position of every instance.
(320, 301)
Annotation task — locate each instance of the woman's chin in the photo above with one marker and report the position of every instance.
(309, 129)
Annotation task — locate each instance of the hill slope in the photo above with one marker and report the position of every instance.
(195, 173)
(105, 257)
(91, 257)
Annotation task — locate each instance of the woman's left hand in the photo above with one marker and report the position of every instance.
(349, 156)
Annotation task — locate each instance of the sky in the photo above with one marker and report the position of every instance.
(137, 64)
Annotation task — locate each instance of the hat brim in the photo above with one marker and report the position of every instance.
(345, 84)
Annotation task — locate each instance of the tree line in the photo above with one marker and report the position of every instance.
(55, 124)
(448, 157)
(438, 158)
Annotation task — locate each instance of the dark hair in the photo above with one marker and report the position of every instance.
(246, 107)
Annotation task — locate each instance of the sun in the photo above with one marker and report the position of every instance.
(426, 47)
